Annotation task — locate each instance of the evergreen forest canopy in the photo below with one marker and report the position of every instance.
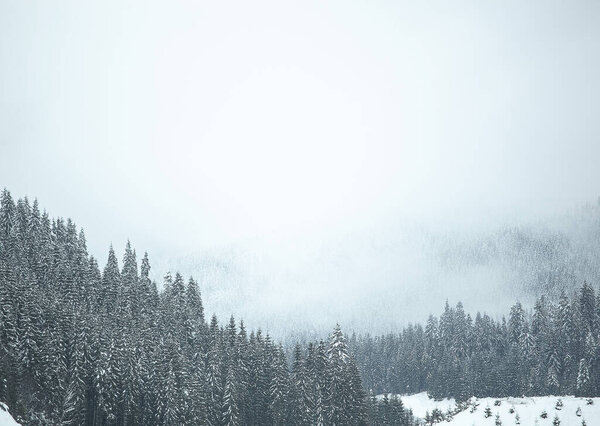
(81, 346)
(554, 350)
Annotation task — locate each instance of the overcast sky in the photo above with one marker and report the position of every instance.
(189, 125)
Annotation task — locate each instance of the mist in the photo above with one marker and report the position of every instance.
(320, 159)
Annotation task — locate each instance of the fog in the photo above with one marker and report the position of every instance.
(308, 161)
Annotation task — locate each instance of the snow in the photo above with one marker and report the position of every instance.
(5, 418)
(528, 409)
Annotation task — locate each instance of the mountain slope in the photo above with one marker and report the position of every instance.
(573, 411)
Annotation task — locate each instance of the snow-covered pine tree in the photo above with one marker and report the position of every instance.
(231, 413)
(279, 389)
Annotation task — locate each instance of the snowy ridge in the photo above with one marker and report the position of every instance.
(5, 417)
(570, 410)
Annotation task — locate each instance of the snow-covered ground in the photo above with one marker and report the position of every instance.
(5, 418)
(572, 413)
(529, 410)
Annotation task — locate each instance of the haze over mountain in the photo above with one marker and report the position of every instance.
(289, 152)
(381, 280)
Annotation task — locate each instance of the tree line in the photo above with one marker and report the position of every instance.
(85, 346)
(551, 350)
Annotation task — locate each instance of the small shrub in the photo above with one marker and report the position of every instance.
(437, 415)
(498, 422)
(511, 410)
(556, 421)
(559, 404)
(578, 412)
(497, 403)
(590, 401)
(448, 415)
(487, 412)
(544, 415)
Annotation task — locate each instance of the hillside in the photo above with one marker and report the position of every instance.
(574, 410)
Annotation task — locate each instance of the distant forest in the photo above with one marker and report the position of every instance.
(553, 350)
(83, 347)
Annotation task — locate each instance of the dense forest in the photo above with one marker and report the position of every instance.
(83, 346)
(552, 350)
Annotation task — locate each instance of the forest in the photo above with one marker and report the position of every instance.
(84, 345)
(551, 350)
(81, 346)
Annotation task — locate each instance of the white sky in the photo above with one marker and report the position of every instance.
(190, 125)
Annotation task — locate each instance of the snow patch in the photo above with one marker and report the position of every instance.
(571, 410)
(5, 417)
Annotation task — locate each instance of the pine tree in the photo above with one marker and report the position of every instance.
(111, 285)
(583, 376)
(339, 392)
(214, 387)
(231, 415)
(279, 389)
(302, 402)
